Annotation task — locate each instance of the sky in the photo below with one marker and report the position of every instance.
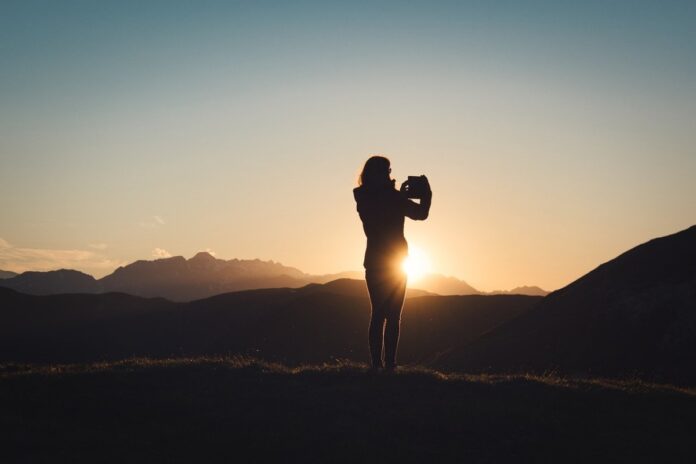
(555, 134)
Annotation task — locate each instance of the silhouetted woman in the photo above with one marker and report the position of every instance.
(382, 210)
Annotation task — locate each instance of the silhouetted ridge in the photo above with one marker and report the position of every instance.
(52, 282)
(665, 260)
(633, 314)
(7, 274)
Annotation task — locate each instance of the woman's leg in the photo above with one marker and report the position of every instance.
(395, 303)
(378, 299)
(376, 336)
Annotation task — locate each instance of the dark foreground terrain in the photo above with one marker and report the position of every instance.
(242, 410)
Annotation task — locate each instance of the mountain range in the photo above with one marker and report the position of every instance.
(633, 316)
(203, 275)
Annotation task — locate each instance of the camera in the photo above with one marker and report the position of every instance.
(416, 187)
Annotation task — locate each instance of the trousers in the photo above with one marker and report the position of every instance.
(387, 289)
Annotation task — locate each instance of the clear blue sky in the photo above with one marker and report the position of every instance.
(555, 134)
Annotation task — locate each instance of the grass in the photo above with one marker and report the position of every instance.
(240, 409)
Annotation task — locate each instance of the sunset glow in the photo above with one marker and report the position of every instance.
(553, 137)
(417, 264)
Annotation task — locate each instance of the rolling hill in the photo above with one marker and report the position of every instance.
(634, 315)
(310, 324)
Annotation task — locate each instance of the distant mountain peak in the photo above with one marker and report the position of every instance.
(203, 256)
(531, 290)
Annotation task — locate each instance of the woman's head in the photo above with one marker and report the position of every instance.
(375, 173)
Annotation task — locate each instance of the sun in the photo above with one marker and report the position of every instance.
(417, 264)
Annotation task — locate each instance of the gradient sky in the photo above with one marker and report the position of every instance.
(555, 134)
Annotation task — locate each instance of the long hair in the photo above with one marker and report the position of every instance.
(375, 173)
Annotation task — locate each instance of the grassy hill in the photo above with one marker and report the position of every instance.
(244, 410)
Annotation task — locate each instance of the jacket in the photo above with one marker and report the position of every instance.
(382, 211)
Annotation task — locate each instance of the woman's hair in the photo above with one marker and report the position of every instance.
(375, 173)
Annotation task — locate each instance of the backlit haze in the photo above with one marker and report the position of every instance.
(555, 134)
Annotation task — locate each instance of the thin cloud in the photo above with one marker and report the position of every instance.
(155, 221)
(18, 259)
(161, 253)
(98, 246)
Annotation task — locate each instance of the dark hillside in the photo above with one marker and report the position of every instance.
(635, 314)
(312, 324)
(84, 327)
